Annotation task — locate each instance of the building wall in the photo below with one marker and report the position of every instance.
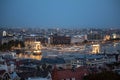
(56, 40)
(69, 74)
(93, 36)
(6, 39)
(78, 39)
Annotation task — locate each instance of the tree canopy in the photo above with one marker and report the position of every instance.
(10, 44)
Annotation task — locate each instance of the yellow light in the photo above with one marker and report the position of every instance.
(36, 51)
(114, 36)
(95, 48)
(107, 37)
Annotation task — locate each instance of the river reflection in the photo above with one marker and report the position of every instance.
(110, 48)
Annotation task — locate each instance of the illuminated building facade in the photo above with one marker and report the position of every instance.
(4, 33)
(33, 50)
(36, 50)
(107, 37)
(115, 36)
(95, 48)
(78, 38)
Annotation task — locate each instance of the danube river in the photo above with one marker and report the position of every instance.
(109, 48)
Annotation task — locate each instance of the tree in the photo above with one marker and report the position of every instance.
(10, 44)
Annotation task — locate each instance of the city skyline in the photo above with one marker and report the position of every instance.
(60, 13)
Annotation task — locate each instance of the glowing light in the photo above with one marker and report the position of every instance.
(4, 33)
(32, 47)
(107, 37)
(95, 48)
(37, 51)
(114, 36)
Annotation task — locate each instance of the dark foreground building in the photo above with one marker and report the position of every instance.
(69, 74)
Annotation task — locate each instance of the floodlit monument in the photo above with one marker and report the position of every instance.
(32, 50)
(36, 51)
(4, 33)
(95, 48)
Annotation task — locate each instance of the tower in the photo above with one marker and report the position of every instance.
(4, 33)
(37, 47)
(95, 48)
(36, 50)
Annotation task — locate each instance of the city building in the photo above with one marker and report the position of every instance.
(59, 40)
(53, 61)
(4, 33)
(95, 37)
(95, 48)
(43, 40)
(106, 37)
(69, 74)
(78, 39)
(32, 50)
(4, 75)
(115, 36)
(3, 65)
(6, 39)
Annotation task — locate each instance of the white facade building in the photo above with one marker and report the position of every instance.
(78, 38)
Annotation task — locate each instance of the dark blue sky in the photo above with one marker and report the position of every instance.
(60, 13)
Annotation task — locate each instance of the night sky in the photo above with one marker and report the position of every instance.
(60, 13)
